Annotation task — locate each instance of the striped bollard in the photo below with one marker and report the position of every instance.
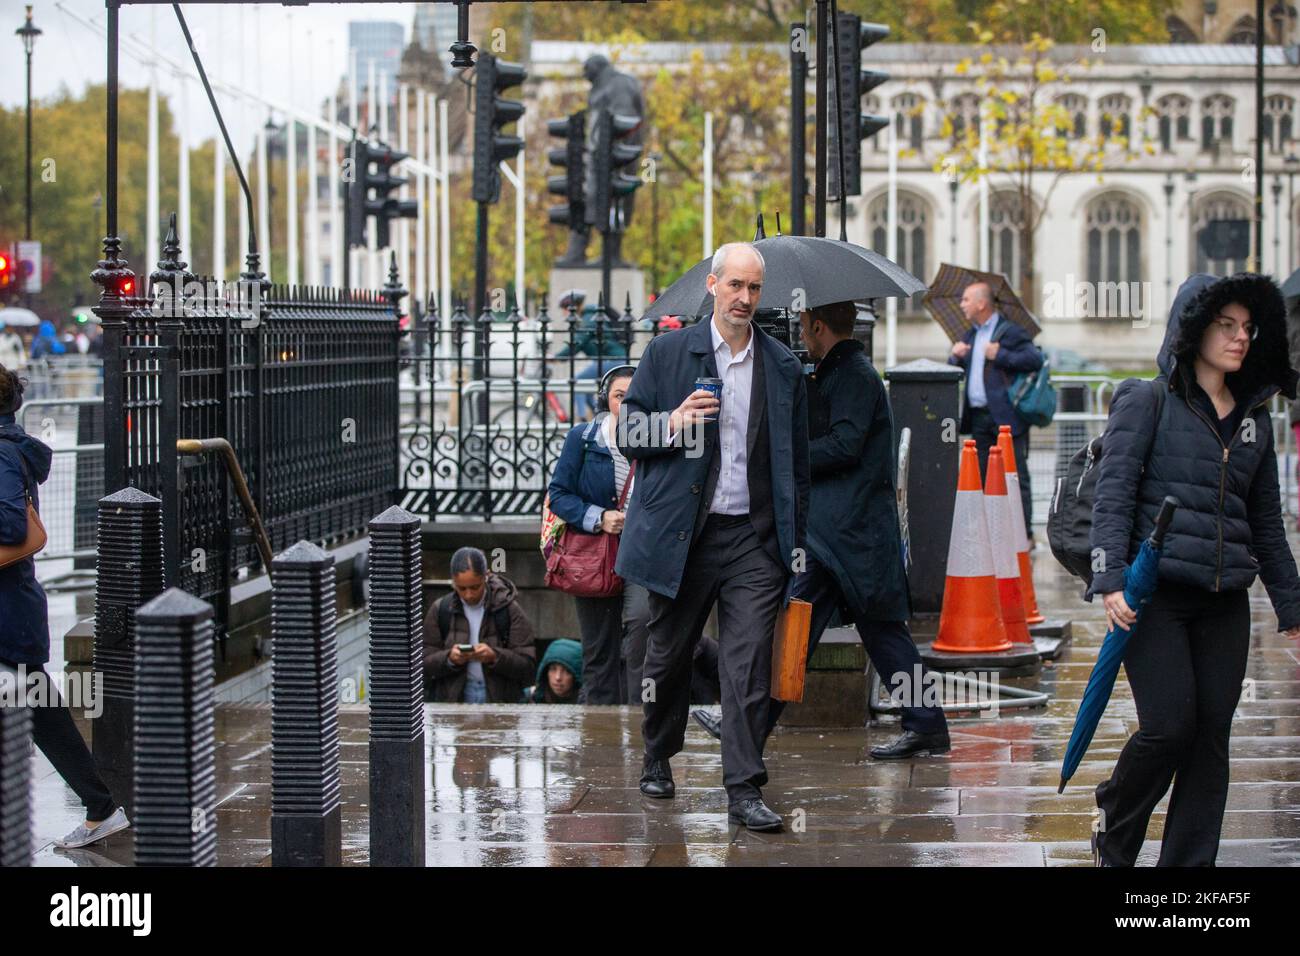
(15, 772)
(175, 767)
(396, 691)
(306, 810)
(129, 561)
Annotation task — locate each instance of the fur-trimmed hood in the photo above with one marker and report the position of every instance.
(1266, 368)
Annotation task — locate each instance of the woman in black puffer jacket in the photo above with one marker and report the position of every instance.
(1203, 434)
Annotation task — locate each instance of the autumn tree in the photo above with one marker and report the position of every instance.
(1031, 136)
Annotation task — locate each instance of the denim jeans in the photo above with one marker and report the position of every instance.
(475, 691)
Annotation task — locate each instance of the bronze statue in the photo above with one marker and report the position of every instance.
(618, 93)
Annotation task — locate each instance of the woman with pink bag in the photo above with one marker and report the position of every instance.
(588, 494)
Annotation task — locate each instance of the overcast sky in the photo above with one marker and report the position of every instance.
(71, 52)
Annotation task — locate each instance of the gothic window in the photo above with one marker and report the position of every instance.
(1175, 112)
(908, 109)
(1209, 231)
(1278, 122)
(965, 114)
(912, 235)
(1076, 107)
(1115, 117)
(1216, 122)
(1113, 239)
(1006, 248)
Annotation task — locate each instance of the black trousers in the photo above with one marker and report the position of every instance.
(985, 432)
(57, 736)
(728, 566)
(1185, 663)
(601, 622)
(705, 688)
(888, 643)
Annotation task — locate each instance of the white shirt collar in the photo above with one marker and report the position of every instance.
(719, 342)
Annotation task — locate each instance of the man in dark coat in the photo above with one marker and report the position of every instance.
(855, 548)
(992, 353)
(716, 514)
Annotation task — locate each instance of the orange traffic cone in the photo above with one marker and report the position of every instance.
(971, 619)
(998, 507)
(1032, 614)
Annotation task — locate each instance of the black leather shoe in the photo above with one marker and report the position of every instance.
(912, 744)
(753, 814)
(710, 722)
(657, 779)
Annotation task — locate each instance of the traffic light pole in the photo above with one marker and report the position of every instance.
(819, 197)
(798, 127)
(480, 303)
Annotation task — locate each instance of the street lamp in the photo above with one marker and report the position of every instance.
(29, 33)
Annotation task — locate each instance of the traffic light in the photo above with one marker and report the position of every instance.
(572, 159)
(490, 114)
(606, 182)
(8, 279)
(855, 82)
(380, 181)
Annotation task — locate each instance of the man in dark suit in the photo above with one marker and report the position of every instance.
(716, 516)
(991, 353)
(855, 548)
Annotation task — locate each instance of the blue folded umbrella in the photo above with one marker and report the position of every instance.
(1139, 585)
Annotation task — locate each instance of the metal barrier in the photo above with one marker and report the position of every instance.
(74, 429)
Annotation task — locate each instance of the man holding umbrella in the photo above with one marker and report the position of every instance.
(716, 515)
(855, 557)
(991, 353)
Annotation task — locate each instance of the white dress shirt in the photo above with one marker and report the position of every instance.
(983, 338)
(731, 497)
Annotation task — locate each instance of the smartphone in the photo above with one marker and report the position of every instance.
(465, 648)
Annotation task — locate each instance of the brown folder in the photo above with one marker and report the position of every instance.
(790, 651)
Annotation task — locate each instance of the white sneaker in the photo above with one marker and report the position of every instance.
(84, 836)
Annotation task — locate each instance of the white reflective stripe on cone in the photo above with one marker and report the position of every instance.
(969, 552)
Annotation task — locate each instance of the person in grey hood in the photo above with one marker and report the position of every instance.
(25, 628)
(1202, 433)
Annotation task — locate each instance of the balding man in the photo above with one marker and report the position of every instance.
(992, 352)
(717, 513)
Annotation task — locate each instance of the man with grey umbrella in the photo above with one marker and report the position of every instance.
(855, 548)
(716, 516)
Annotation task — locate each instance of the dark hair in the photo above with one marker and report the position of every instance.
(11, 391)
(468, 559)
(838, 316)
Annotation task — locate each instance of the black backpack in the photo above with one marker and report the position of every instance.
(1069, 519)
(500, 616)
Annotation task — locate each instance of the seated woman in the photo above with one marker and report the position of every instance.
(559, 675)
(478, 643)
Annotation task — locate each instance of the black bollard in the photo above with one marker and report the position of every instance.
(129, 558)
(396, 691)
(175, 766)
(306, 813)
(923, 396)
(15, 772)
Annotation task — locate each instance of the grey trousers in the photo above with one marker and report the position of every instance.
(727, 566)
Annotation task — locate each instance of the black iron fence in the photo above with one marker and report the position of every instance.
(487, 402)
(302, 382)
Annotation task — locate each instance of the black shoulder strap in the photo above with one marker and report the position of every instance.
(444, 617)
(501, 616)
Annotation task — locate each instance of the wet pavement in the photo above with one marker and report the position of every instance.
(557, 786)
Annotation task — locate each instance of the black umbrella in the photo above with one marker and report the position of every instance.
(1291, 287)
(802, 272)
